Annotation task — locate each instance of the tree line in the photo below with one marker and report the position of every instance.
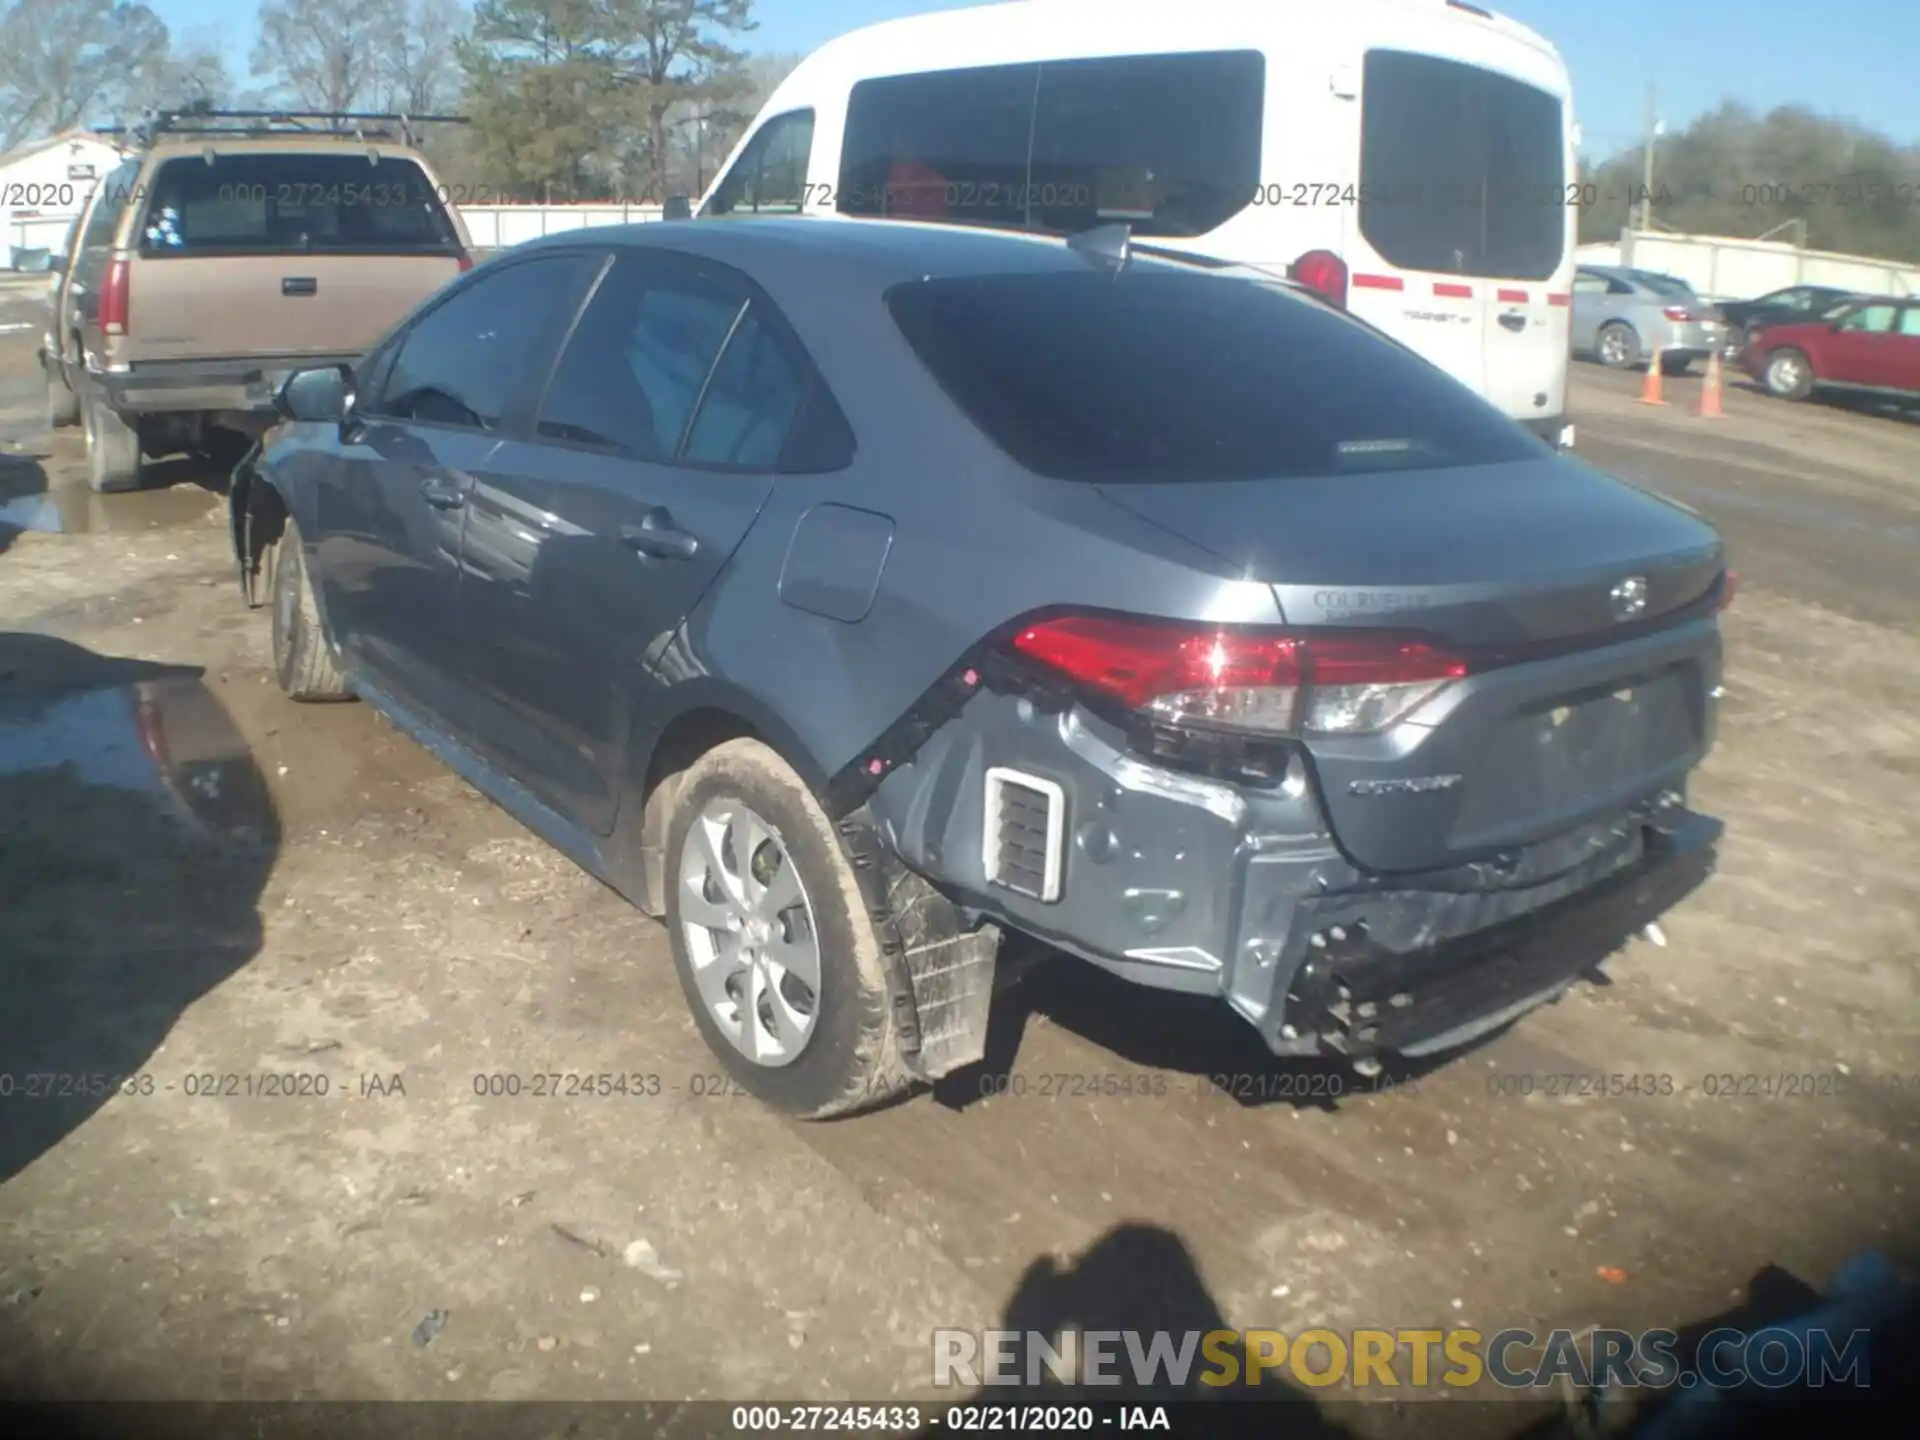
(575, 100)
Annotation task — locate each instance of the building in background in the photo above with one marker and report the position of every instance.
(44, 186)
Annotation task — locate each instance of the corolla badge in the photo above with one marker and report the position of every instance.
(1629, 597)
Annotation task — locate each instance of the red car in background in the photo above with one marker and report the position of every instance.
(1870, 347)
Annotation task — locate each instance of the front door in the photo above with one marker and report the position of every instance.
(390, 516)
(589, 542)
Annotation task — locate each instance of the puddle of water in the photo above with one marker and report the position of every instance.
(76, 510)
(167, 739)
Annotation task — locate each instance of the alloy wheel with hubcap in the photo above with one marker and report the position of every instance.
(1788, 375)
(751, 935)
(1618, 347)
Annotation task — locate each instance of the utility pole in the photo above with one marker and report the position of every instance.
(1646, 183)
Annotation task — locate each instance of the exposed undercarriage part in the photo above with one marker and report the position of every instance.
(1213, 870)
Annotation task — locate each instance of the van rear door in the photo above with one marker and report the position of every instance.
(285, 254)
(1463, 248)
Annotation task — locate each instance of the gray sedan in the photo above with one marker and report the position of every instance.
(1624, 317)
(852, 595)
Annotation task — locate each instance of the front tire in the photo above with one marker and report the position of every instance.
(303, 661)
(776, 954)
(113, 450)
(1789, 375)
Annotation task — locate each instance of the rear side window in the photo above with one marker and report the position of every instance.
(1462, 171)
(295, 202)
(116, 193)
(1168, 143)
(1910, 321)
(1671, 287)
(1159, 376)
(750, 403)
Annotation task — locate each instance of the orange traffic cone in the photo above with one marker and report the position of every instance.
(1711, 390)
(1650, 387)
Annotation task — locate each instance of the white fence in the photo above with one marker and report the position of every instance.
(1723, 267)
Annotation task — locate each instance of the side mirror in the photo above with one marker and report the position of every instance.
(323, 394)
(678, 207)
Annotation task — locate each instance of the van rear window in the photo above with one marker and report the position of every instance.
(1161, 375)
(302, 202)
(1462, 170)
(1168, 143)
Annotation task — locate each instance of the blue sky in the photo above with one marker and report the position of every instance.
(1859, 59)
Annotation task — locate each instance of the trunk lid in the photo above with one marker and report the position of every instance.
(1551, 577)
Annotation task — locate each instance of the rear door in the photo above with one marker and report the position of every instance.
(1906, 351)
(1463, 242)
(1862, 349)
(588, 543)
(310, 252)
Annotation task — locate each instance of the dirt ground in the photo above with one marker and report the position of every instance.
(313, 898)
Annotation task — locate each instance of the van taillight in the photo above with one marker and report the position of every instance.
(113, 299)
(1324, 272)
(466, 262)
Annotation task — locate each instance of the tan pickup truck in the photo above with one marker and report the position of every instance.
(233, 248)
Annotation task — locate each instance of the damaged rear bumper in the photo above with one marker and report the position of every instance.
(1182, 882)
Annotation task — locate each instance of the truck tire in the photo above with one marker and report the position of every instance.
(63, 406)
(776, 952)
(113, 450)
(303, 661)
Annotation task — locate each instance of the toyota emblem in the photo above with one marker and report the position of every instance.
(1629, 597)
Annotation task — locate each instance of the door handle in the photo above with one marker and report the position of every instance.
(656, 535)
(442, 494)
(299, 285)
(1515, 323)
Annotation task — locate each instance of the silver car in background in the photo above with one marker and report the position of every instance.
(1621, 317)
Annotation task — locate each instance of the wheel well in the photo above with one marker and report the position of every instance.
(263, 520)
(687, 737)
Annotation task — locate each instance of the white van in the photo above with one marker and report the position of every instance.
(1410, 159)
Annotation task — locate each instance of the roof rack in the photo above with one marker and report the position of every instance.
(203, 119)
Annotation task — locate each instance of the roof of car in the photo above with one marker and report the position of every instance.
(884, 251)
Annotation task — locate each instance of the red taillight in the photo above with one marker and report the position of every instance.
(1680, 313)
(153, 733)
(113, 298)
(1729, 586)
(1245, 680)
(466, 262)
(1324, 272)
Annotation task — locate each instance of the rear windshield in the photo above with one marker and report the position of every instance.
(1163, 375)
(1462, 171)
(1671, 286)
(337, 203)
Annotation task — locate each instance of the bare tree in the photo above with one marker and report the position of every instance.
(66, 62)
(420, 61)
(324, 54)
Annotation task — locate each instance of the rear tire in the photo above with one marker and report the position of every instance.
(63, 406)
(831, 1047)
(1788, 375)
(113, 450)
(1617, 346)
(303, 661)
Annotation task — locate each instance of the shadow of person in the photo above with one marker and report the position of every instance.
(24, 501)
(1135, 1284)
(136, 834)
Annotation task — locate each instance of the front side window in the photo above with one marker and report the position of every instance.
(1159, 375)
(466, 360)
(327, 202)
(1462, 170)
(770, 177)
(1871, 319)
(1169, 144)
